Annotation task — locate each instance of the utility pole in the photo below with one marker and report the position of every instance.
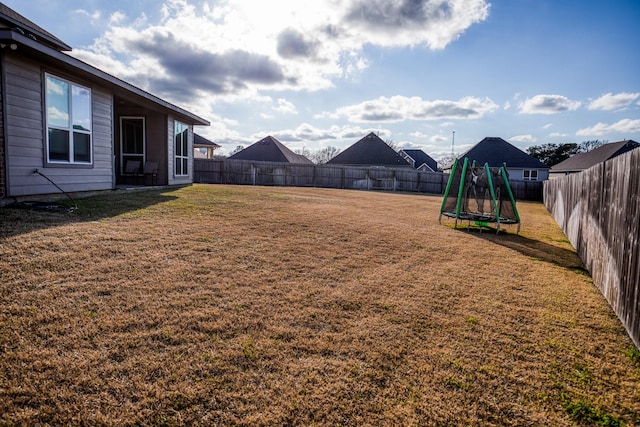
(453, 142)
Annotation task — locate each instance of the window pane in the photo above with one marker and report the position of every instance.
(178, 145)
(58, 145)
(81, 105)
(81, 147)
(178, 167)
(185, 142)
(534, 175)
(133, 136)
(57, 102)
(185, 166)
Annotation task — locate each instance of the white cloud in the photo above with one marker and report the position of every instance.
(93, 16)
(401, 108)
(56, 115)
(118, 17)
(418, 135)
(610, 101)
(285, 107)
(523, 138)
(622, 126)
(548, 104)
(434, 23)
(305, 46)
(314, 138)
(558, 135)
(547, 126)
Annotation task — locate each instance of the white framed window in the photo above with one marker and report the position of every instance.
(132, 141)
(530, 175)
(181, 149)
(68, 117)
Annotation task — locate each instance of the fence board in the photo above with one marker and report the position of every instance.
(599, 211)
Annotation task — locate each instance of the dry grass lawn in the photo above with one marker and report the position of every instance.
(226, 305)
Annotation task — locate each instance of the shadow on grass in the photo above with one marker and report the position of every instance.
(16, 219)
(534, 249)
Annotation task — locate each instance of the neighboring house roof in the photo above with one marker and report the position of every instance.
(581, 161)
(370, 151)
(40, 44)
(496, 151)
(269, 149)
(202, 142)
(420, 158)
(25, 27)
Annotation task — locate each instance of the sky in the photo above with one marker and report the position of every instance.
(439, 75)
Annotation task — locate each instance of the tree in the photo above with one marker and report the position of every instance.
(445, 161)
(586, 146)
(304, 151)
(237, 149)
(552, 154)
(322, 156)
(391, 143)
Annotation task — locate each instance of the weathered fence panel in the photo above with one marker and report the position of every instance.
(527, 190)
(332, 176)
(599, 211)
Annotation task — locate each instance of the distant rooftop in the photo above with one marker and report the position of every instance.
(496, 151)
(269, 149)
(581, 161)
(370, 151)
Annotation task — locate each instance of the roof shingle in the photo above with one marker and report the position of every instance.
(420, 158)
(269, 149)
(581, 161)
(496, 151)
(370, 151)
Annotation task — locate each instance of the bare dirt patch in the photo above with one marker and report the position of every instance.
(263, 306)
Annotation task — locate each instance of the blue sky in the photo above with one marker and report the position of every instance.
(325, 73)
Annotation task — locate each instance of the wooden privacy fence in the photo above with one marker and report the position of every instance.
(333, 176)
(326, 176)
(599, 211)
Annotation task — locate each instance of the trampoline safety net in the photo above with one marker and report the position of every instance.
(480, 194)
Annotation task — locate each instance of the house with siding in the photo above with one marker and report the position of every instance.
(81, 127)
(201, 143)
(496, 152)
(582, 161)
(419, 160)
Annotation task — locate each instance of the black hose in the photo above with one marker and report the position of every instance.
(75, 205)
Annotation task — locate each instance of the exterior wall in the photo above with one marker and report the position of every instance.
(173, 179)
(3, 178)
(156, 145)
(25, 144)
(156, 140)
(517, 174)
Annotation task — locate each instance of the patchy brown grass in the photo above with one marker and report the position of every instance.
(219, 305)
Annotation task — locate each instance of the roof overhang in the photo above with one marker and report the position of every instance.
(11, 39)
